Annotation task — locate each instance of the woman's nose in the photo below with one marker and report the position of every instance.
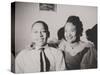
(69, 35)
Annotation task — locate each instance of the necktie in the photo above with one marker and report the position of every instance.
(42, 62)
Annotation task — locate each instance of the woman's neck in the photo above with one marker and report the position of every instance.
(73, 45)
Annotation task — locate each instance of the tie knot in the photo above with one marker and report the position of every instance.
(42, 49)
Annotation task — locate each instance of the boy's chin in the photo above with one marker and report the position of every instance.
(40, 44)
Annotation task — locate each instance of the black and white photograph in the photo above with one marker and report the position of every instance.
(53, 37)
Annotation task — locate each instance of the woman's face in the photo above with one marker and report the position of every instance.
(39, 34)
(70, 32)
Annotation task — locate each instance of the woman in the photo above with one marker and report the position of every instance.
(78, 54)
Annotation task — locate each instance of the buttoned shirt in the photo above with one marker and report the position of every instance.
(28, 60)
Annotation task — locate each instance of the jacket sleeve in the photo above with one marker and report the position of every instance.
(89, 59)
(60, 62)
(19, 65)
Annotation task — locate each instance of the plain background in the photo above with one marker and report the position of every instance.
(5, 36)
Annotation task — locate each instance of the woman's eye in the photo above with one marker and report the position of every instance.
(73, 30)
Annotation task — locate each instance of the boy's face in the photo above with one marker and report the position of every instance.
(39, 35)
(70, 32)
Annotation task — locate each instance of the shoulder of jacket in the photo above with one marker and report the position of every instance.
(22, 53)
(55, 51)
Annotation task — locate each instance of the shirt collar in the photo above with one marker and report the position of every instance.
(33, 47)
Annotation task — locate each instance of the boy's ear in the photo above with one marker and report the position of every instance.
(48, 34)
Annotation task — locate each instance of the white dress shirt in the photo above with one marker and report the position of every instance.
(28, 60)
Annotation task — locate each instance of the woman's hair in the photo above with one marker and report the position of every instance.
(44, 25)
(75, 20)
(60, 33)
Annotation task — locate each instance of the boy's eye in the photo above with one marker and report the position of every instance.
(65, 30)
(44, 31)
(72, 31)
(35, 31)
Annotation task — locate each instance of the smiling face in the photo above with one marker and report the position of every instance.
(39, 34)
(70, 32)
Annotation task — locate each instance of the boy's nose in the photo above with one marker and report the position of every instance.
(41, 35)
